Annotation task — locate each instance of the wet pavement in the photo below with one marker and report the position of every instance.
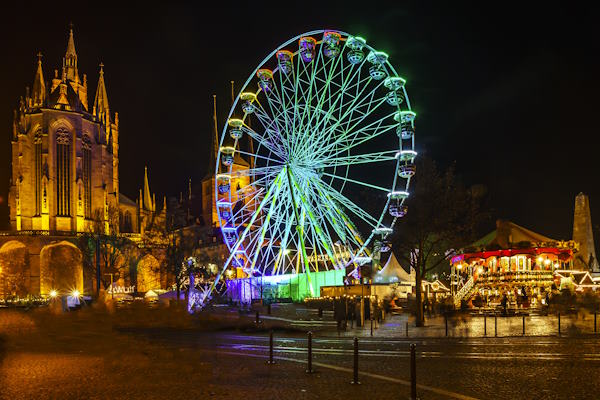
(480, 326)
(160, 353)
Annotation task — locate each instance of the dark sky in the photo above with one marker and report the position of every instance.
(510, 93)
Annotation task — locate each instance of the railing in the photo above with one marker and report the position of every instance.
(31, 232)
(518, 276)
(463, 291)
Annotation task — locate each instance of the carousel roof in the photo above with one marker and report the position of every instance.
(507, 234)
(511, 239)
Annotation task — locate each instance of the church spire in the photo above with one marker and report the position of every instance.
(101, 109)
(215, 138)
(147, 200)
(70, 60)
(39, 86)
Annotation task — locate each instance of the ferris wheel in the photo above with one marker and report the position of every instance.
(316, 158)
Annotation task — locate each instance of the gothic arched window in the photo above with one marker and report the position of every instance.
(127, 226)
(63, 172)
(37, 141)
(87, 175)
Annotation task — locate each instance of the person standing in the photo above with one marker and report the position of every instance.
(504, 303)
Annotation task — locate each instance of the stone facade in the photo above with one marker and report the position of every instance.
(64, 190)
(583, 234)
(38, 263)
(65, 154)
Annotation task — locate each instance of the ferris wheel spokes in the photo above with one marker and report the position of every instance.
(362, 135)
(380, 156)
(328, 132)
(319, 112)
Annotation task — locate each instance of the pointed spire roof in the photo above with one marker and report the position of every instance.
(147, 199)
(215, 138)
(39, 86)
(70, 60)
(101, 109)
(71, 43)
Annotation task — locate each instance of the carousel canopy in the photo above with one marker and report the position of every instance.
(511, 239)
(507, 234)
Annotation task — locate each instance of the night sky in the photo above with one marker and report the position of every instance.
(510, 94)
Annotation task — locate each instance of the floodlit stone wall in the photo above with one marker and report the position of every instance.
(61, 268)
(14, 268)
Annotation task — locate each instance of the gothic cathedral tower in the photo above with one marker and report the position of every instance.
(65, 155)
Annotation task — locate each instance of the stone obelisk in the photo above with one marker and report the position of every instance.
(585, 258)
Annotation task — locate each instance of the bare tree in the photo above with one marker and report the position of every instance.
(442, 215)
(181, 246)
(115, 250)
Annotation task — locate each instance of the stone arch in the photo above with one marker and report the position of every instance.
(14, 267)
(148, 273)
(61, 268)
(61, 123)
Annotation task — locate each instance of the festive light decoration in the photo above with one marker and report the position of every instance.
(319, 117)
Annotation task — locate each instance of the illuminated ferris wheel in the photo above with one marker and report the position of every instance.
(316, 158)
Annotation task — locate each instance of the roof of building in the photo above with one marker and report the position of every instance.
(126, 200)
(580, 278)
(507, 234)
(393, 272)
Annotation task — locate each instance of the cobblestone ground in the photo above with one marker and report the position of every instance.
(82, 355)
(477, 326)
(145, 354)
(459, 325)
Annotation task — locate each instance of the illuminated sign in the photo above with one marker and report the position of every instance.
(120, 289)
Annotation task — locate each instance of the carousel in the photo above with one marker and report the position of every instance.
(511, 264)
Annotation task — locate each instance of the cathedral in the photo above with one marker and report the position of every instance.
(64, 182)
(65, 158)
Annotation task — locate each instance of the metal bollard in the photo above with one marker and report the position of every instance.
(309, 370)
(595, 326)
(523, 325)
(269, 308)
(484, 325)
(495, 325)
(413, 372)
(271, 361)
(320, 312)
(558, 324)
(355, 376)
(371, 326)
(406, 328)
(257, 318)
(446, 322)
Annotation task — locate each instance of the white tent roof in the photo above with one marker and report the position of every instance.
(393, 272)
